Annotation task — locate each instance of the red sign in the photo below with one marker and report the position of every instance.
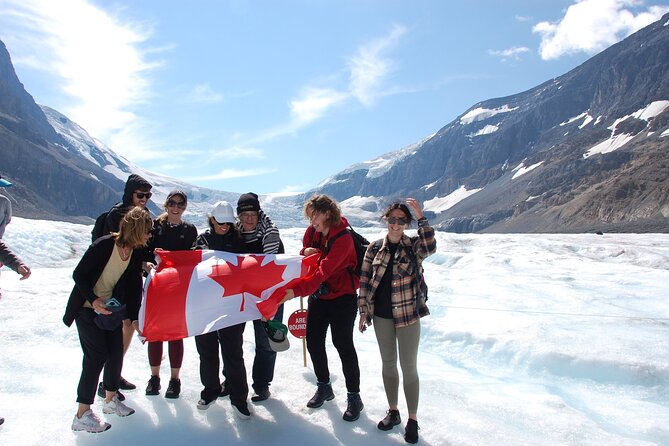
(297, 323)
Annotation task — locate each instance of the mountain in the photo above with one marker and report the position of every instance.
(585, 151)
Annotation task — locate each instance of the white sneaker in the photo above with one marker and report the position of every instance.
(89, 422)
(117, 407)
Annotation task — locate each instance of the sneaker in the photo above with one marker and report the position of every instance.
(89, 422)
(101, 393)
(204, 404)
(153, 386)
(242, 411)
(411, 431)
(353, 407)
(125, 385)
(323, 393)
(173, 389)
(117, 407)
(225, 389)
(391, 420)
(261, 396)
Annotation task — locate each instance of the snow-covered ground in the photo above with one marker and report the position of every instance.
(533, 340)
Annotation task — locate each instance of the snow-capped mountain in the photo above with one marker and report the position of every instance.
(584, 151)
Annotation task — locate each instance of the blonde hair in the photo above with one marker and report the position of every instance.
(322, 204)
(135, 224)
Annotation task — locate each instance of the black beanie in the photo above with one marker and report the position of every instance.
(248, 202)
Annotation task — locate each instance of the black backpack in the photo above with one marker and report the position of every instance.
(99, 226)
(360, 244)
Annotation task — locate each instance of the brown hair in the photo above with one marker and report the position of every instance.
(322, 204)
(162, 218)
(135, 224)
(402, 207)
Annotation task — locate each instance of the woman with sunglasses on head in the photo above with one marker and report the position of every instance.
(391, 298)
(223, 235)
(170, 233)
(107, 289)
(136, 193)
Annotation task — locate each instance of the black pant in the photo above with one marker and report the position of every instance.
(339, 314)
(230, 340)
(265, 358)
(102, 348)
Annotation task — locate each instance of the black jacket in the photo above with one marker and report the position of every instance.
(128, 289)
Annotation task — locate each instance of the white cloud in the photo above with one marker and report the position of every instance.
(239, 153)
(509, 53)
(227, 174)
(96, 56)
(590, 26)
(313, 103)
(205, 94)
(369, 67)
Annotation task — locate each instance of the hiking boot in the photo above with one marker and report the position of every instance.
(262, 395)
(391, 420)
(411, 431)
(323, 393)
(89, 422)
(117, 407)
(101, 393)
(173, 389)
(153, 386)
(204, 403)
(242, 411)
(353, 407)
(125, 385)
(225, 389)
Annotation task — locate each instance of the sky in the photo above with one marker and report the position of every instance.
(276, 96)
(510, 354)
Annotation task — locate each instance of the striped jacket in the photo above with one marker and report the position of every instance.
(407, 301)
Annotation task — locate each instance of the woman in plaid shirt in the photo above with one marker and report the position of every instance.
(391, 298)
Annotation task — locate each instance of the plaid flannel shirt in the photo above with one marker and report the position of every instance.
(408, 304)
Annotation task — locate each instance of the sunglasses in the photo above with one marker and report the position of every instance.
(142, 195)
(397, 220)
(222, 224)
(179, 204)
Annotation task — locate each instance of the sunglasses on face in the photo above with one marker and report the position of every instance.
(227, 223)
(397, 220)
(179, 204)
(142, 195)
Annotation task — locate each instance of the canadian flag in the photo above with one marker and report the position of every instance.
(195, 292)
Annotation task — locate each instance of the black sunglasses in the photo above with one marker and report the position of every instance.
(142, 195)
(179, 204)
(397, 220)
(221, 224)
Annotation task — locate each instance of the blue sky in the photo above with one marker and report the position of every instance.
(275, 96)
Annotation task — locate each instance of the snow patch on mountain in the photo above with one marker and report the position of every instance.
(479, 113)
(440, 204)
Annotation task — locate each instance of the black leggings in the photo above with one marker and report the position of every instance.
(102, 348)
(339, 314)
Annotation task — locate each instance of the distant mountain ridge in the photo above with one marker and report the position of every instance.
(584, 151)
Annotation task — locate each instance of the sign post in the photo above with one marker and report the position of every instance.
(297, 325)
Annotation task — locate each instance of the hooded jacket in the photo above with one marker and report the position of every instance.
(117, 212)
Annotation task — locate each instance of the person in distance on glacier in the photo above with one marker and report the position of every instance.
(222, 235)
(392, 298)
(107, 290)
(332, 300)
(172, 233)
(260, 236)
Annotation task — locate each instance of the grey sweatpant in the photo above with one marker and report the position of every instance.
(407, 339)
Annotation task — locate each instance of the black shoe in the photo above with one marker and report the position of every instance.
(2, 420)
(411, 431)
(261, 395)
(173, 389)
(225, 389)
(125, 385)
(153, 387)
(204, 403)
(242, 410)
(391, 420)
(102, 394)
(323, 393)
(353, 407)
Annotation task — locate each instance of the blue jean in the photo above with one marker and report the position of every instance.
(265, 358)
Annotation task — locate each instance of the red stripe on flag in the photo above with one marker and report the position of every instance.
(165, 301)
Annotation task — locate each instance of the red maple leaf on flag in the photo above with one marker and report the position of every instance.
(248, 276)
